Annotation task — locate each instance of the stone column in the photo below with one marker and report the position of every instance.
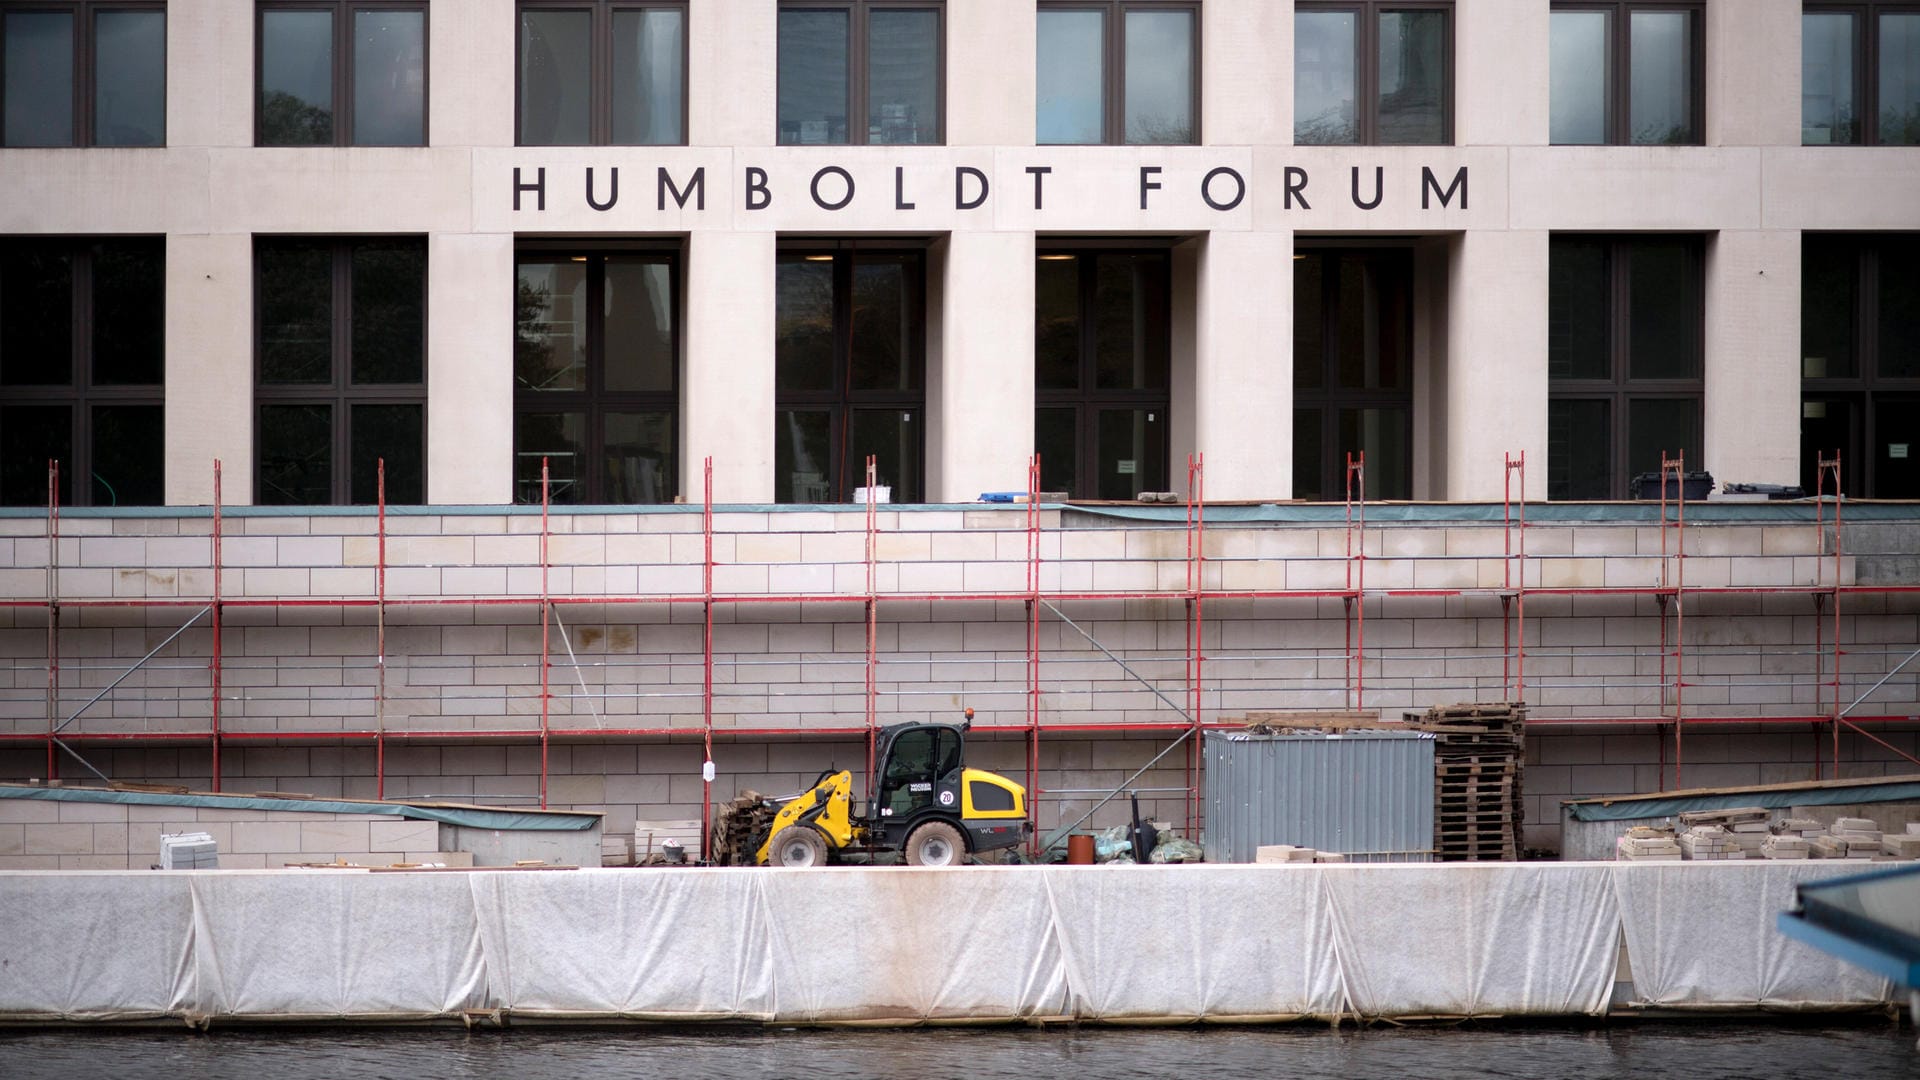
(470, 311)
(1753, 73)
(1752, 370)
(1496, 377)
(1246, 73)
(980, 365)
(1501, 59)
(1242, 367)
(990, 73)
(209, 366)
(732, 54)
(727, 372)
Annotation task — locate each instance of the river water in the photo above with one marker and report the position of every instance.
(1696, 1051)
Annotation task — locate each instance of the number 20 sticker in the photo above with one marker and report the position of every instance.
(946, 798)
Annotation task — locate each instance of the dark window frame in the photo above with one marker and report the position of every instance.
(81, 394)
(843, 400)
(340, 393)
(85, 61)
(1088, 399)
(1620, 389)
(594, 401)
(1619, 119)
(1864, 390)
(1113, 67)
(600, 80)
(342, 75)
(1330, 399)
(1866, 60)
(859, 73)
(1367, 63)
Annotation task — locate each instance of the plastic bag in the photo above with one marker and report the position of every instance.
(1176, 850)
(1109, 844)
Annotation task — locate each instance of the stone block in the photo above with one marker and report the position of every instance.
(73, 838)
(402, 835)
(92, 812)
(264, 836)
(333, 836)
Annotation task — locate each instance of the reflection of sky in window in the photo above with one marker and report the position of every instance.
(1900, 79)
(1826, 73)
(1577, 110)
(647, 47)
(39, 79)
(1323, 77)
(1659, 107)
(296, 55)
(812, 88)
(1159, 97)
(130, 76)
(1070, 80)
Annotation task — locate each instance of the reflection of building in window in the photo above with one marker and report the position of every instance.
(1626, 73)
(596, 375)
(1372, 72)
(78, 73)
(854, 71)
(1114, 72)
(333, 73)
(1860, 73)
(596, 73)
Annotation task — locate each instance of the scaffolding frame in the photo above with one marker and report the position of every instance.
(1670, 594)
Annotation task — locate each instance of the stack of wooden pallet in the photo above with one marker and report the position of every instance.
(1477, 755)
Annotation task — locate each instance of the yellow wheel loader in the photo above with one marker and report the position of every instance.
(922, 801)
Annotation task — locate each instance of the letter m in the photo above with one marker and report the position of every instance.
(1429, 186)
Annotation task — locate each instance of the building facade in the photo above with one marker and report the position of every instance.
(615, 256)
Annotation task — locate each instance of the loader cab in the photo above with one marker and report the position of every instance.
(919, 767)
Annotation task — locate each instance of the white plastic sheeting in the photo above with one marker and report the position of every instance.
(1115, 944)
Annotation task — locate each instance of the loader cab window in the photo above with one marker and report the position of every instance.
(918, 760)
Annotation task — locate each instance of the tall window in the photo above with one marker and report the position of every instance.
(596, 374)
(340, 379)
(1372, 72)
(1625, 336)
(1860, 361)
(603, 73)
(1352, 371)
(1860, 73)
(849, 357)
(1114, 71)
(82, 362)
(1103, 339)
(1627, 73)
(83, 73)
(860, 71)
(341, 73)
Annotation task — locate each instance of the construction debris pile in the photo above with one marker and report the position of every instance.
(1477, 757)
(1288, 853)
(740, 828)
(1749, 832)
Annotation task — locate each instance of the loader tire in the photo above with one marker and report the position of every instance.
(798, 846)
(936, 844)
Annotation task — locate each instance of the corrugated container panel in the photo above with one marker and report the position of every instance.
(1365, 794)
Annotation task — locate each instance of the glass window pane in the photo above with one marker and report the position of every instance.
(1325, 83)
(389, 312)
(296, 78)
(1579, 77)
(1374, 321)
(1381, 434)
(1656, 426)
(1579, 450)
(1071, 77)
(1660, 98)
(1900, 309)
(1827, 49)
(296, 313)
(1132, 452)
(813, 78)
(560, 441)
(638, 457)
(550, 326)
(1056, 321)
(1413, 73)
(29, 436)
(1829, 301)
(1830, 423)
(556, 73)
(296, 455)
(36, 314)
(649, 75)
(1132, 334)
(389, 78)
(903, 70)
(803, 324)
(1309, 468)
(1159, 70)
(38, 88)
(398, 434)
(1896, 431)
(129, 455)
(1309, 322)
(802, 456)
(1900, 79)
(893, 436)
(130, 78)
(129, 313)
(1664, 311)
(639, 309)
(886, 323)
(1578, 311)
(1056, 438)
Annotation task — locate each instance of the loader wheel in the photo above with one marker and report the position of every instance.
(799, 846)
(936, 844)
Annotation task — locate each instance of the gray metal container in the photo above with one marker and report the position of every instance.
(1365, 794)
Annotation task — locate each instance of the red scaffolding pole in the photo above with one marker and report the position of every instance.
(1356, 599)
(1824, 464)
(53, 616)
(1033, 653)
(546, 622)
(380, 621)
(1673, 583)
(213, 672)
(706, 654)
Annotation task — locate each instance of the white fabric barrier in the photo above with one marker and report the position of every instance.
(1702, 935)
(1114, 944)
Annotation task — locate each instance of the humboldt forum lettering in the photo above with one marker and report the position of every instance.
(834, 187)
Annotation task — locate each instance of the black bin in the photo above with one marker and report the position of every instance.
(1698, 484)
